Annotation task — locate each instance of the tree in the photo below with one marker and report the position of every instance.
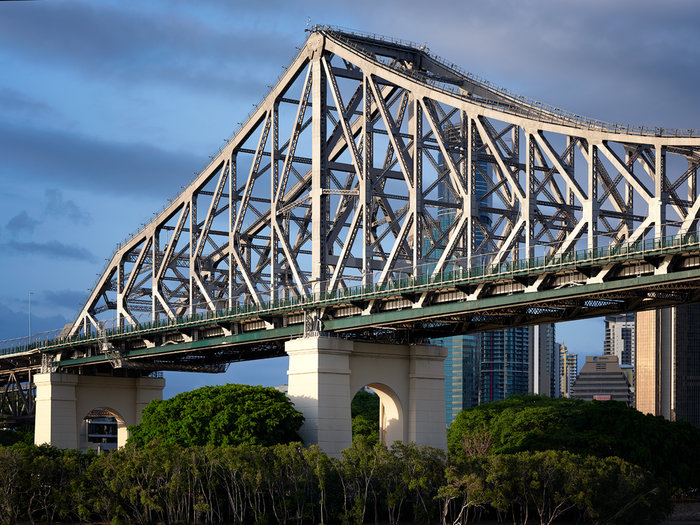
(613, 491)
(364, 411)
(464, 490)
(358, 471)
(220, 415)
(602, 429)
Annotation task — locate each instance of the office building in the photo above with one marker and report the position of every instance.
(544, 362)
(620, 337)
(461, 373)
(602, 379)
(668, 363)
(494, 365)
(568, 370)
(99, 429)
(462, 365)
(505, 363)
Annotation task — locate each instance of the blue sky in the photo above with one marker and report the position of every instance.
(107, 108)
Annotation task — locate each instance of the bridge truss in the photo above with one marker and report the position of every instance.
(373, 162)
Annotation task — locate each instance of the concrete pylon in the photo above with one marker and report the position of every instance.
(63, 401)
(326, 372)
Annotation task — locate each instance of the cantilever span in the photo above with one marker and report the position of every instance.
(379, 191)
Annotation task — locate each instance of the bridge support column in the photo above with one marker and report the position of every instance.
(426, 409)
(325, 373)
(63, 401)
(319, 386)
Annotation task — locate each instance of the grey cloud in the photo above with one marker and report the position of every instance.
(18, 103)
(70, 299)
(15, 323)
(57, 206)
(62, 158)
(111, 42)
(22, 222)
(53, 249)
(619, 61)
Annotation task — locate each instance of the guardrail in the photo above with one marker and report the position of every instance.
(455, 273)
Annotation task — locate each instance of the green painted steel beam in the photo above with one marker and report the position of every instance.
(257, 336)
(493, 303)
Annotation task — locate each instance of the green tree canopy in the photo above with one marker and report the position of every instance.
(220, 415)
(364, 411)
(670, 450)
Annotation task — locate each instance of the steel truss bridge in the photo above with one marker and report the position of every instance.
(379, 192)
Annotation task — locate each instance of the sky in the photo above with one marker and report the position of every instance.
(108, 108)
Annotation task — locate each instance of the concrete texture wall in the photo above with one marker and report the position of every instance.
(325, 373)
(63, 401)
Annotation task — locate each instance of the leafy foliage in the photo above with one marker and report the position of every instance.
(20, 435)
(169, 483)
(220, 415)
(364, 410)
(492, 474)
(601, 429)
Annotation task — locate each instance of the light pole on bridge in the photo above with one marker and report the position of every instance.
(30, 316)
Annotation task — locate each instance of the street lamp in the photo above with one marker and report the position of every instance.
(30, 315)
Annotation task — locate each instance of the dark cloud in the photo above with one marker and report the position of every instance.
(68, 160)
(122, 44)
(57, 206)
(52, 249)
(18, 103)
(22, 222)
(15, 323)
(70, 299)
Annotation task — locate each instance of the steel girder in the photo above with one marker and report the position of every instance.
(17, 398)
(372, 160)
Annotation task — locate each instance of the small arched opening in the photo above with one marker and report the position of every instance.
(103, 429)
(378, 414)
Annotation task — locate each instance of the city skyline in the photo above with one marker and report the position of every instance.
(155, 88)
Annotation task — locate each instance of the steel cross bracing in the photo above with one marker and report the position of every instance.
(372, 161)
(17, 395)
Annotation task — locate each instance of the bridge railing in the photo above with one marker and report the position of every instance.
(28, 342)
(456, 272)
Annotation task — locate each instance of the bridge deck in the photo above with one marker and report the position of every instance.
(581, 284)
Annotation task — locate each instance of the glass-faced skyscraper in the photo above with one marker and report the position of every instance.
(505, 363)
(462, 366)
(461, 373)
(493, 365)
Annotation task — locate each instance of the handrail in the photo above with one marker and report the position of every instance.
(455, 273)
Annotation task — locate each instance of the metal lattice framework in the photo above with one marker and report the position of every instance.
(17, 398)
(372, 160)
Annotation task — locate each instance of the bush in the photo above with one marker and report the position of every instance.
(220, 415)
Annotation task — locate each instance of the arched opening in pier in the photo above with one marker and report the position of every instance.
(103, 429)
(377, 414)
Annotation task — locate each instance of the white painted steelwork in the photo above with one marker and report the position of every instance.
(333, 182)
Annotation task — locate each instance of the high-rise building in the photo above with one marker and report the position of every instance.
(602, 378)
(461, 373)
(544, 362)
(620, 337)
(505, 363)
(463, 360)
(668, 363)
(494, 365)
(568, 370)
